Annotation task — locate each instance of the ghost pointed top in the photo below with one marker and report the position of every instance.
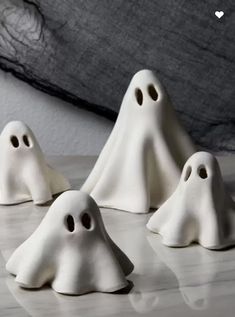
(203, 165)
(203, 157)
(16, 125)
(76, 207)
(74, 200)
(146, 79)
(145, 90)
(17, 134)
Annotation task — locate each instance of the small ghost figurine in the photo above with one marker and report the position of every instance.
(200, 210)
(71, 251)
(24, 174)
(140, 165)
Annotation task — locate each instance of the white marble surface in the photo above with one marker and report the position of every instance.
(166, 282)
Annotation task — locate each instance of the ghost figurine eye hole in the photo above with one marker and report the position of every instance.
(187, 173)
(26, 140)
(152, 92)
(202, 172)
(86, 221)
(69, 223)
(14, 141)
(139, 96)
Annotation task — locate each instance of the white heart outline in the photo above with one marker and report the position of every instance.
(219, 14)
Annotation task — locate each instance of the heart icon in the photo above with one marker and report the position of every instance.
(219, 14)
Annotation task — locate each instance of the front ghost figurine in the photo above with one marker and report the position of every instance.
(24, 174)
(71, 251)
(140, 165)
(200, 210)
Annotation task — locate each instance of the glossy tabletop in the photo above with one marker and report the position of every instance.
(180, 282)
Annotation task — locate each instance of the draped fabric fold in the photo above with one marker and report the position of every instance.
(86, 52)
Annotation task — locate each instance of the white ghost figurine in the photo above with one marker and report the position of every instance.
(24, 174)
(71, 251)
(140, 165)
(200, 210)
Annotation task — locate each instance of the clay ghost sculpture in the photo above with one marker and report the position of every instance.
(71, 251)
(24, 174)
(140, 165)
(200, 210)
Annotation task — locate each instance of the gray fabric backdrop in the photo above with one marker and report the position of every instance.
(87, 51)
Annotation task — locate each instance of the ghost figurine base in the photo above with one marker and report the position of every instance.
(130, 173)
(200, 210)
(24, 174)
(71, 251)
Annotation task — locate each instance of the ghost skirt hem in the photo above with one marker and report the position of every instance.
(29, 199)
(221, 246)
(27, 286)
(16, 202)
(90, 290)
(181, 244)
(107, 206)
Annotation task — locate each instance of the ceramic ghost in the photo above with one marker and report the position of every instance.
(200, 210)
(140, 165)
(71, 251)
(24, 174)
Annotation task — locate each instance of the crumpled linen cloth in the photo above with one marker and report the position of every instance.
(87, 51)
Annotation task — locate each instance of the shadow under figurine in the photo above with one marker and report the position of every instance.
(141, 163)
(71, 251)
(24, 173)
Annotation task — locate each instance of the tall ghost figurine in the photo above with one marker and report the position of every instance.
(24, 174)
(200, 210)
(71, 251)
(140, 165)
